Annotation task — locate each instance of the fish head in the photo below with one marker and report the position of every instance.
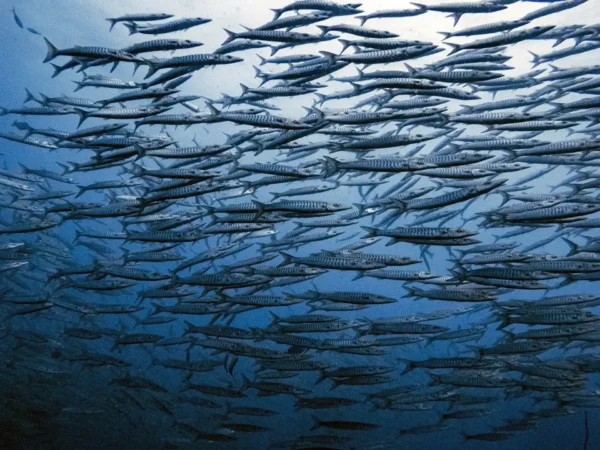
(229, 59)
(334, 207)
(419, 164)
(199, 20)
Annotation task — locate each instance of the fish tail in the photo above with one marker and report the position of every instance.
(323, 29)
(287, 259)
(259, 73)
(453, 48)
(330, 166)
(410, 292)
(230, 36)
(82, 189)
(536, 59)
(137, 170)
(52, 51)
(132, 27)
(505, 197)
(79, 85)
(435, 379)
(330, 56)
(246, 384)
(345, 44)
(43, 101)
(370, 231)
(568, 280)
(456, 17)
(316, 423)
(112, 23)
(29, 96)
(445, 34)
(277, 12)
(151, 69)
(408, 365)
(157, 309)
(260, 208)
(573, 247)
(57, 70)
(476, 350)
(213, 110)
(66, 169)
(82, 115)
(3, 111)
(359, 274)
(188, 327)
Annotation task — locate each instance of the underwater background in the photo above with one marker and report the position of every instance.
(58, 393)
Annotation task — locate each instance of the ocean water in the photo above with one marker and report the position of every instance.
(55, 396)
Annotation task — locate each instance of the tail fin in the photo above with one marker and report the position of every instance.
(287, 259)
(446, 35)
(52, 51)
(568, 280)
(454, 48)
(259, 73)
(230, 36)
(370, 230)
(247, 383)
(275, 318)
(505, 197)
(476, 350)
(331, 166)
(132, 27)
(188, 327)
(260, 208)
(574, 248)
(157, 309)
(29, 97)
(57, 69)
(79, 85)
(409, 365)
(316, 423)
(82, 115)
(151, 69)
(536, 59)
(112, 23)
(278, 12)
(345, 44)
(213, 111)
(330, 56)
(82, 190)
(359, 274)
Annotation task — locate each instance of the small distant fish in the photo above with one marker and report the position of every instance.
(16, 17)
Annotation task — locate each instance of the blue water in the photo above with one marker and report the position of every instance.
(106, 417)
